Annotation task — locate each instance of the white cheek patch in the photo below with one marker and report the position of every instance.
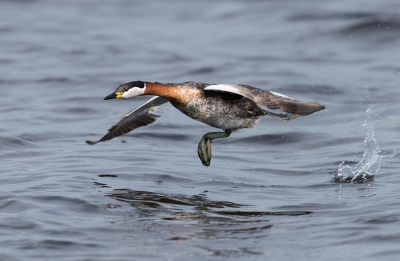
(133, 92)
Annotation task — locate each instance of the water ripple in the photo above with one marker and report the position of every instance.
(11, 142)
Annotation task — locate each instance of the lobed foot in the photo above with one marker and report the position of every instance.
(204, 147)
(204, 151)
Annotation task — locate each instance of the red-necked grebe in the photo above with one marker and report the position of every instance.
(224, 106)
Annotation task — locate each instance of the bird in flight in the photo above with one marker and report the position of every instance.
(229, 107)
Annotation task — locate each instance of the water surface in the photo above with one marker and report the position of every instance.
(322, 187)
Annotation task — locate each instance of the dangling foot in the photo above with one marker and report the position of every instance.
(204, 150)
(204, 147)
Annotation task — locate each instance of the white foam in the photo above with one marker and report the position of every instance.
(371, 160)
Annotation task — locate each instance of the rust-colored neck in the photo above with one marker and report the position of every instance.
(179, 95)
(160, 89)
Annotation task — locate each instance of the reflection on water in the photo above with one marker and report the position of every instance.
(183, 207)
(200, 221)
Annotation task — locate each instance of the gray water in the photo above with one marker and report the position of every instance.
(321, 187)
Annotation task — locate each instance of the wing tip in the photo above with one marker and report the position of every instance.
(300, 108)
(314, 107)
(91, 142)
(318, 107)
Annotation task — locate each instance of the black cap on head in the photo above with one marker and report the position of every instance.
(126, 86)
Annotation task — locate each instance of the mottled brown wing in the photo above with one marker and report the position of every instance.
(271, 100)
(139, 117)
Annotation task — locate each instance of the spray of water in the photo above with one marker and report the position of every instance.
(370, 163)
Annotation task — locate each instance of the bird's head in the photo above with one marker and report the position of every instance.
(128, 90)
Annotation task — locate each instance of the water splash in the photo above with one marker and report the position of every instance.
(363, 171)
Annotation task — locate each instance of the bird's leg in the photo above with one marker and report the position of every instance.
(281, 116)
(204, 148)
